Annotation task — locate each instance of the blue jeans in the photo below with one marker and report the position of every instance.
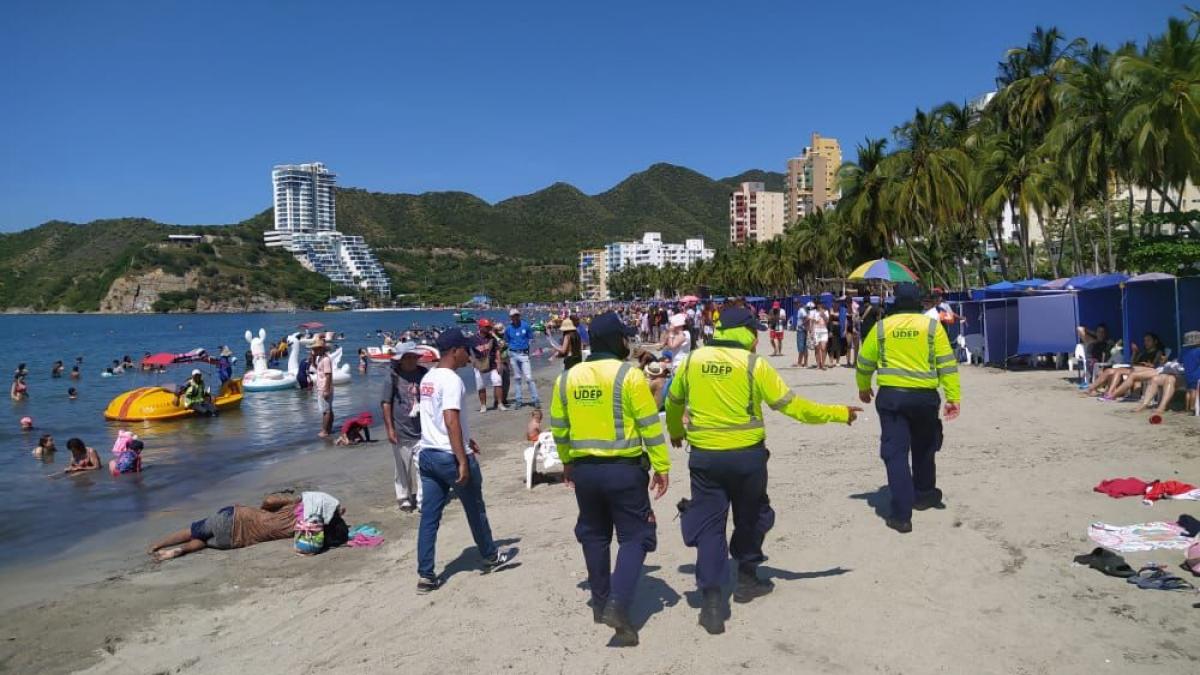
(439, 471)
(523, 373)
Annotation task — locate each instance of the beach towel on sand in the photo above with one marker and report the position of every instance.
(1141, 537)
(1122, 487)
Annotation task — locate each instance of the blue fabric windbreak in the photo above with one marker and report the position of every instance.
(1189, 304)
(1046, 324)
(1101, 306)
(1150, 308)
(1000, 330)
(1001, 286)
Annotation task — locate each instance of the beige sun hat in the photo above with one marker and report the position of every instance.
(567, 325)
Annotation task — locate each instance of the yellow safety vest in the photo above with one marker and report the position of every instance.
(908, 351)
(723, 388)
(604, 408)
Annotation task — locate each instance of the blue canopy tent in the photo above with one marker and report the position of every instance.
(1103, 281)
(1030, 284)
(1078, 282)
(1149, 304)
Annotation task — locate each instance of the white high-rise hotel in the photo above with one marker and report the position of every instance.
(306, 225)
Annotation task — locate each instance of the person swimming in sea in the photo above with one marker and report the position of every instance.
(45, 448)
(72, 393)
(83, 458)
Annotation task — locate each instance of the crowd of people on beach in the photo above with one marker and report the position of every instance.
(422, 404)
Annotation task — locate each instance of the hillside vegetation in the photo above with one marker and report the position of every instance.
(437, 246)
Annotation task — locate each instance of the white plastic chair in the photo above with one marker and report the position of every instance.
(543, 449)
(1079, 362)
(972, 346)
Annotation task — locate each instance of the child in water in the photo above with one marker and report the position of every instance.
(356, 430)
(534, 428)
(128, 460)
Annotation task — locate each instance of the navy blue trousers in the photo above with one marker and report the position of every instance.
(908, 420)
(720, 480)
(613, 495)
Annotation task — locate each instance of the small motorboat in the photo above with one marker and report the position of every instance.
(464, 316)
(383, 353)
(152, 404)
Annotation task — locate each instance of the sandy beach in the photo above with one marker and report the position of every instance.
(984, 586)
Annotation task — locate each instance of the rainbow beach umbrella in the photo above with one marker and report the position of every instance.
(884, 269)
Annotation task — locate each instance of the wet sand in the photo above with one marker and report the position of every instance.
(985, 586)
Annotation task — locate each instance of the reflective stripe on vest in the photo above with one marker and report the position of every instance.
(751, 410)
(931, 374)
(618, 416)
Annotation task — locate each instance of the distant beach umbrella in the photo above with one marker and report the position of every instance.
(883, 269)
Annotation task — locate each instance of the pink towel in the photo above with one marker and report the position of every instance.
(363, 541)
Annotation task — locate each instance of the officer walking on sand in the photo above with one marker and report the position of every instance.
(602, 414)
(910, 356)
(722, 386)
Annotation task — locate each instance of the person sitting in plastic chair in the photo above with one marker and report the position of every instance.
(544, 450)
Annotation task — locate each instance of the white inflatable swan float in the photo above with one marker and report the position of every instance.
(261, 378)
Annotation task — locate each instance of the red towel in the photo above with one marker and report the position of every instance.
(1122, 487)
(1168, 488)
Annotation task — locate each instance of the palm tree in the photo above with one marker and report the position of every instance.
(1086, 133)
(862, 205)
(926, 187)
(1162, 118)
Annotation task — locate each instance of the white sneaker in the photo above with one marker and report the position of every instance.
(501, 407)
(483, 408)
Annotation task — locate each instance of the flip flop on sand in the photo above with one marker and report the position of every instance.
(1154, 577)
(1106, 562)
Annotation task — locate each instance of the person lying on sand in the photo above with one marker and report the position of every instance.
(234, 527)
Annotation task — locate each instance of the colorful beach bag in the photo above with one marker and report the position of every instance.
(310, 537)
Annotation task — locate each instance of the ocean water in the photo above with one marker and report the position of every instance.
(45, 511)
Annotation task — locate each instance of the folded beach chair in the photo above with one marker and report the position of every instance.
(543, 449)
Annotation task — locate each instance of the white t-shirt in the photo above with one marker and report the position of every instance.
(442, 389)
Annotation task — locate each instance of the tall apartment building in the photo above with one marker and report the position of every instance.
(306, 226)
(755, 214)
(812, 178)
(304, 198)
(593, 274)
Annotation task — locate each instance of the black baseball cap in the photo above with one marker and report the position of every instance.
(453, 338)
(740, 317)
(607, 324)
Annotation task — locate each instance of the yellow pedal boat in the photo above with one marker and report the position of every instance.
(157, 403)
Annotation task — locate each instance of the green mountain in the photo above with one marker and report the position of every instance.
(438, 246)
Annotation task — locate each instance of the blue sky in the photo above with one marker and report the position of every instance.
(177, 111)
